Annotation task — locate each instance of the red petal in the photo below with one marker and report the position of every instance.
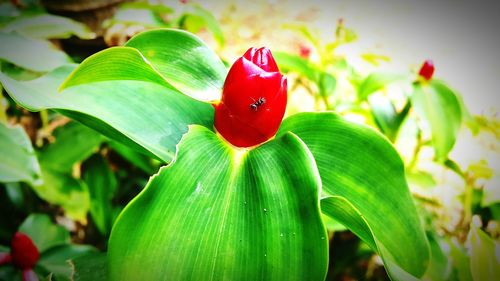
(236, 132)
(24, 253)
(263, 58)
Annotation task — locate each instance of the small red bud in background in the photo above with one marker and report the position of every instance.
(427, 70)
(253, 100)
(23, 252)
(305, 51)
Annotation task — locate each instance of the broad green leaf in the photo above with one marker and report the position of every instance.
(184, 60)
(43, 232)
(45, 26)
(57, 259)
(221, 213)
(90, 267)
(32, 54)
(118, 63)
(73, 143)
(290, 62)
(484, 254)
(439, 107)
(376, 81)
(145, 116)
(364, 184)
(102, 184)
(19, 161)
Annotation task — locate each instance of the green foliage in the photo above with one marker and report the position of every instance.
(45, 26)
(265, 223)
(484, 262)
(376, 81)
(44, 234)
(440, 108)
(116, 109)
(19, 50)
(187, 64)
(53, 243)
(19, 161)
(363, 190)
(102, 184)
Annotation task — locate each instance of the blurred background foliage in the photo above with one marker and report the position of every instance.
(64, 184)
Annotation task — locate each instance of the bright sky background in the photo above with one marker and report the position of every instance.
(462, 37)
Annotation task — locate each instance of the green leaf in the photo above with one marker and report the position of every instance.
(139, 160)
(385, 115)
(145, 116)
(439, 266)
(184, 60)
(43, 232)
(484, 259)
(32, 54)
(73, 143)
(57, 259)
(221, 213)
(460, 261)
(90, 268)
(118, 63)
(45, 26)
(19, 161)
(197, 18)
(64, 190)
(364, 184)
(327, 84)
(439, 107)
(378, 80)
(290, 62)
(102, 185)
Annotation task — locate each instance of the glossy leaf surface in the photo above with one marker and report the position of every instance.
(143, 115)
(440, 108)
(45, 26)
(220, 213)
(19, 161)
(32, 54)
(184, 60)
(365, 189)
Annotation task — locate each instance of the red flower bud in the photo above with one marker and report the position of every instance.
(253, 100)
(24, 253)
(427, 70)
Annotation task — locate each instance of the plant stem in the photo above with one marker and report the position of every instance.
(3, 107)
(416, 152)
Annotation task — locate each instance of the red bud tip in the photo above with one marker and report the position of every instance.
(427, 70)
(253, 100)
(305, 51)
(24, 253)
(262, 58)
